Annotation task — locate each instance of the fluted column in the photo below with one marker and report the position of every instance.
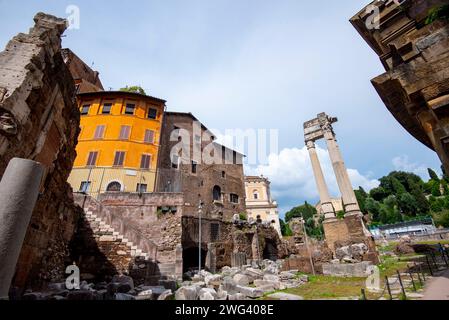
(325, 199)
(344, 183)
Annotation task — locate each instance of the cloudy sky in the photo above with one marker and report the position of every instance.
(249, 64)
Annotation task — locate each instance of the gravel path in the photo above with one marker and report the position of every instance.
(438, 287)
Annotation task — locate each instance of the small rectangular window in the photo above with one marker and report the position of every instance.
(119, 158)
(92, 158)
(234, 157)
(197, 138)
(145, 162)
(152, 113)
(85, 109)
(214, 232)
(141, 188)
(125, 132)
(99, 132)
(234, 198)
(149, 136)
(106, 108)
(130, 108)
(194, 166)
(85, 186)
(175, 161)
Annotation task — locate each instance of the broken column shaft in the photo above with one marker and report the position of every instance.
(19, 189)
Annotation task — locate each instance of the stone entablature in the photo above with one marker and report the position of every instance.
(414, 50)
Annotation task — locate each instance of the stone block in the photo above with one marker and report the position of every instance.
(241, 280)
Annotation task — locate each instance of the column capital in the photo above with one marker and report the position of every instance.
(310, 144)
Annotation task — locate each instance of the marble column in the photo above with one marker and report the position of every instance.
(19, 190)
(350, 203)
(325, 199)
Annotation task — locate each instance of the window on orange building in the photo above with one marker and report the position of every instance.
(92, 158)
(130, 108)
(152, 113)
(85, 109)
(145, 162)
(106, 108)
(119, 158)
(99, 132)
(125, 132)
(149, 136)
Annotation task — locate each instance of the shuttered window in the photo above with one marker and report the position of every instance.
(125, 132)
(119, 158)
(145, 162)
(149, 136)
(92, 158)
(99, 132)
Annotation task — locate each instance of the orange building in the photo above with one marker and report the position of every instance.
(119, 142)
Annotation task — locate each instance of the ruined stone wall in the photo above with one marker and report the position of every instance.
(39, 120)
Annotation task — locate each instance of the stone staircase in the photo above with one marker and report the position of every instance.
(105, 233)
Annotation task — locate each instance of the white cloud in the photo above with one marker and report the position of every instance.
(292, 180)
(402, 163)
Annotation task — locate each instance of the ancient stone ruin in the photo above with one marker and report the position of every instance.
(39, 121)
(350, 231)
(412, 42)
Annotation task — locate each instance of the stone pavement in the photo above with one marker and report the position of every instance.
(438, 287)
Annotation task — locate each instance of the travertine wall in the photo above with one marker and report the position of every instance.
(39, 121)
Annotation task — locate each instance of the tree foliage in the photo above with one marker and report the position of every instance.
(134, 89)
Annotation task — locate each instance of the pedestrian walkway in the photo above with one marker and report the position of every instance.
(438, 287)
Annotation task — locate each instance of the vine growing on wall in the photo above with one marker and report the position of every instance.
(437, 13)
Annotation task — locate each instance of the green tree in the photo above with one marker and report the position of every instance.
(436, 189)
(361, 196)
(423, 204)
(398, 187)
(308, 213)
(407, 204)
(441, 218)
(134, 89)
(433, 175)
(373, 208)
(285, 229)
(378, 194)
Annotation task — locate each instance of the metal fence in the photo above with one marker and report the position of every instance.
(432, 261)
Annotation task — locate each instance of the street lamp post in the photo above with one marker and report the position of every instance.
(200, 213)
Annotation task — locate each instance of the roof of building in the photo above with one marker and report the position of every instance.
(80, 70)
(190, 115)
(257, 178)
(426, 221)
(105, 93)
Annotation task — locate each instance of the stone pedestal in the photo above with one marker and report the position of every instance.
(335, 230)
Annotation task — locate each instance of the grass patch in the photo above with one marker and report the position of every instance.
(327, 287)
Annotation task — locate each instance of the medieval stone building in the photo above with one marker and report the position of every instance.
(412, 41)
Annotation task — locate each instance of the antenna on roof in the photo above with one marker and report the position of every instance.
(92, 65)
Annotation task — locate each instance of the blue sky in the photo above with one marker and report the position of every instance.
(247, 64)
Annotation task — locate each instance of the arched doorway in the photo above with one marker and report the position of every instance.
(270, 252)
(114, 186)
